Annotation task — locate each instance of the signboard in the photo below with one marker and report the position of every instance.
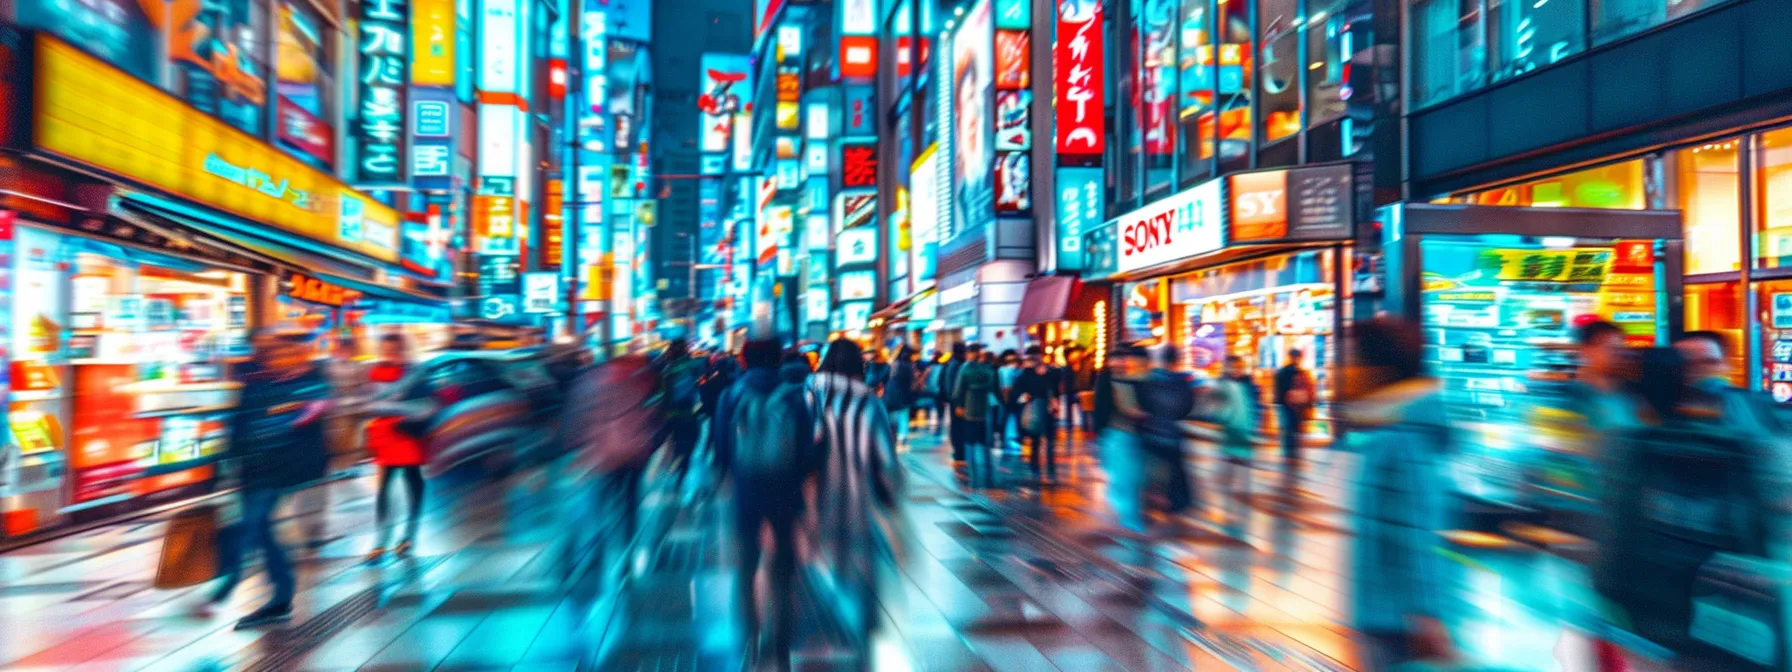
(1014, 182)
(499, 53)
(724, 85)
(1014, 14)
(306, 288)
(858, 17)
(854, 315)
(379, 134)
(858, 57)
(1585, 264)
(1077, 74)
(856, 285)
(855, 246)
(500, 126)
(1312, 203)
(1080, 208)
(924, 210)
(96, 115)
(1014, 120)
(1178, 227)
(303, 131)
(858, 110)
(973, 69)
(858, 165)
(433, 120)
(541, 291)
(1014, 60)
(494, 224)
(432, 42)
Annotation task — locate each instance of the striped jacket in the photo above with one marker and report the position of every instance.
(858, 447)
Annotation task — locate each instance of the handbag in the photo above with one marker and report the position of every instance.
(1035, 418)
(190, 548)
(1739, 610)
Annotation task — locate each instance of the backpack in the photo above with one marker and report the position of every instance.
(1167, 399)
(979, 382)
(1300, 391)
(772, 435)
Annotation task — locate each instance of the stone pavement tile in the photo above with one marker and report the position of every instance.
(501, 640)
(426, 643)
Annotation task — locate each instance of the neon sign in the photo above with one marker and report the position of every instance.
(385, 71)
(259, 181)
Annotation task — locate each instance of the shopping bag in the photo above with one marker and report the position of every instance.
(189, 548)
(1738, 608)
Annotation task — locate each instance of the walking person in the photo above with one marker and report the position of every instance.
(276, 444)
(1035, 395)
(947, 393)
(616, 432)
(1401, 501)
(397, 448)
(679, 375)
(860, 477)
(1236, 401)
(1116, 418)
(1002, 420)
(1167, 398)
(1295, 396)
(1079, 377)
(974, 388)
(765, 427)
(900, 394)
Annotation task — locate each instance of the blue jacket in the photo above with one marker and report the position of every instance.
(758, 381)
(899, 392)
(1402, 500)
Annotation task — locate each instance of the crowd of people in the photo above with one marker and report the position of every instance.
(1686, 475)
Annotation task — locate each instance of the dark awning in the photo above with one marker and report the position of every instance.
(1047, 299)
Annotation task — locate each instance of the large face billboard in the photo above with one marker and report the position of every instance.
(1077, 65)
(973, 72)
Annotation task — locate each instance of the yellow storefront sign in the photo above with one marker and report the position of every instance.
(1574, 265)
(91, 113)
(432, 42)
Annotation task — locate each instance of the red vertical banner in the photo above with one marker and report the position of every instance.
(1078, 61)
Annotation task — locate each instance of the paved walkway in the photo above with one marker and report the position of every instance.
(1023, 577)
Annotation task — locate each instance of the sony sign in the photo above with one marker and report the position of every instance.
(1181, 226)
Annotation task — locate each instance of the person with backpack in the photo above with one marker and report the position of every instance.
(764, 424)
(1295, 396)
(276, 445)
(860, 475)
(1166, 398)
(973, 388)
(1401, 499)
(900, 393)
(1035, 396)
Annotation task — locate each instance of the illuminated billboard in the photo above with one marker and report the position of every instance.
(432, 42)
(500, 59)
(1077, 74)
(973, 72)
(725, 87)
(924, 217)
(379, 135)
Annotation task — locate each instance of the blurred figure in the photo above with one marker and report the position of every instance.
(1235, 399)
(861, 473)
(1079, 377)
(948, 395)
(396, 442)
(901, 392)
(1116, 418)
(276, 443)
(723, 370)
(1167, 398)
(795, 368)
(877, 370)
(763, 424)
(616, 431)
(974, 386)
(680, 395)
(1295, 396)
(1007, 435)
(1598, 393)
(1035, 400)
(1402, 498)
(1708, 370)
(926, 382)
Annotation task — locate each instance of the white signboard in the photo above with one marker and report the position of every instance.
(1181, 226)
(540, 292)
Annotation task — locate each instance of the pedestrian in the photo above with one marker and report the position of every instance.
(794, 367)
(901, 392)
(1079, 377)
(1707, 355)
(925, 384)
(1167, 398)
(397, 446)
(765, 425)
(1116, 416)
(877, 370)
(975, 387)
(1035, 396)
(1295, 396)
(947, 393)
(860, 477)
(617, 430)
(1235, 401)
(679, 375)
(1401, 498)
(1599, 392)
(276, 444)
(347, 375)
(1002, 420)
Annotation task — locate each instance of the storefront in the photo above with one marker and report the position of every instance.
(1062, 311)
(1499, 292)
(1248, 265)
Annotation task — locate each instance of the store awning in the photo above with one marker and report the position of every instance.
(351, 273)
(1047, 299)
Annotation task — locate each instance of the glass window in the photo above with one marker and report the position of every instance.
(222, 71)
(1718, 307)
(1330, 44)
(1527, 34)
(1279, 68)
(1616, 186)
(1233, 81)
(1773, 186)
(1448, 49)
(1195, 115)
(1157, 92)
(1613, 19)
(1708, 183)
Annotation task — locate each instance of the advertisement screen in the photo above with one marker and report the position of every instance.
(1014, 179)
(1080, 209)
(1014, 120)
(724, 85)
(856, 285)
(1014, 62)
(855, 246)
(973, 72)
(498, 57)
(1300, 204)
(924, 217)
(1078, 64)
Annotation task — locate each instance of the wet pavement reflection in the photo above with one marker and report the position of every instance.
(510, 574)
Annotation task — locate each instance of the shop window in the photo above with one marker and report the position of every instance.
(1708, 186)
(1234, 75)
(1157, 94)
(1719, 307)
(305, 85)
(222, 71)
(1615, 186)
(1279, 68)
(1773, 205)
(1775, 305)
(1462, 45)
(1613, 19)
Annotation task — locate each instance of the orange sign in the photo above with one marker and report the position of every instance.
(1259, 206)
(311, 289)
